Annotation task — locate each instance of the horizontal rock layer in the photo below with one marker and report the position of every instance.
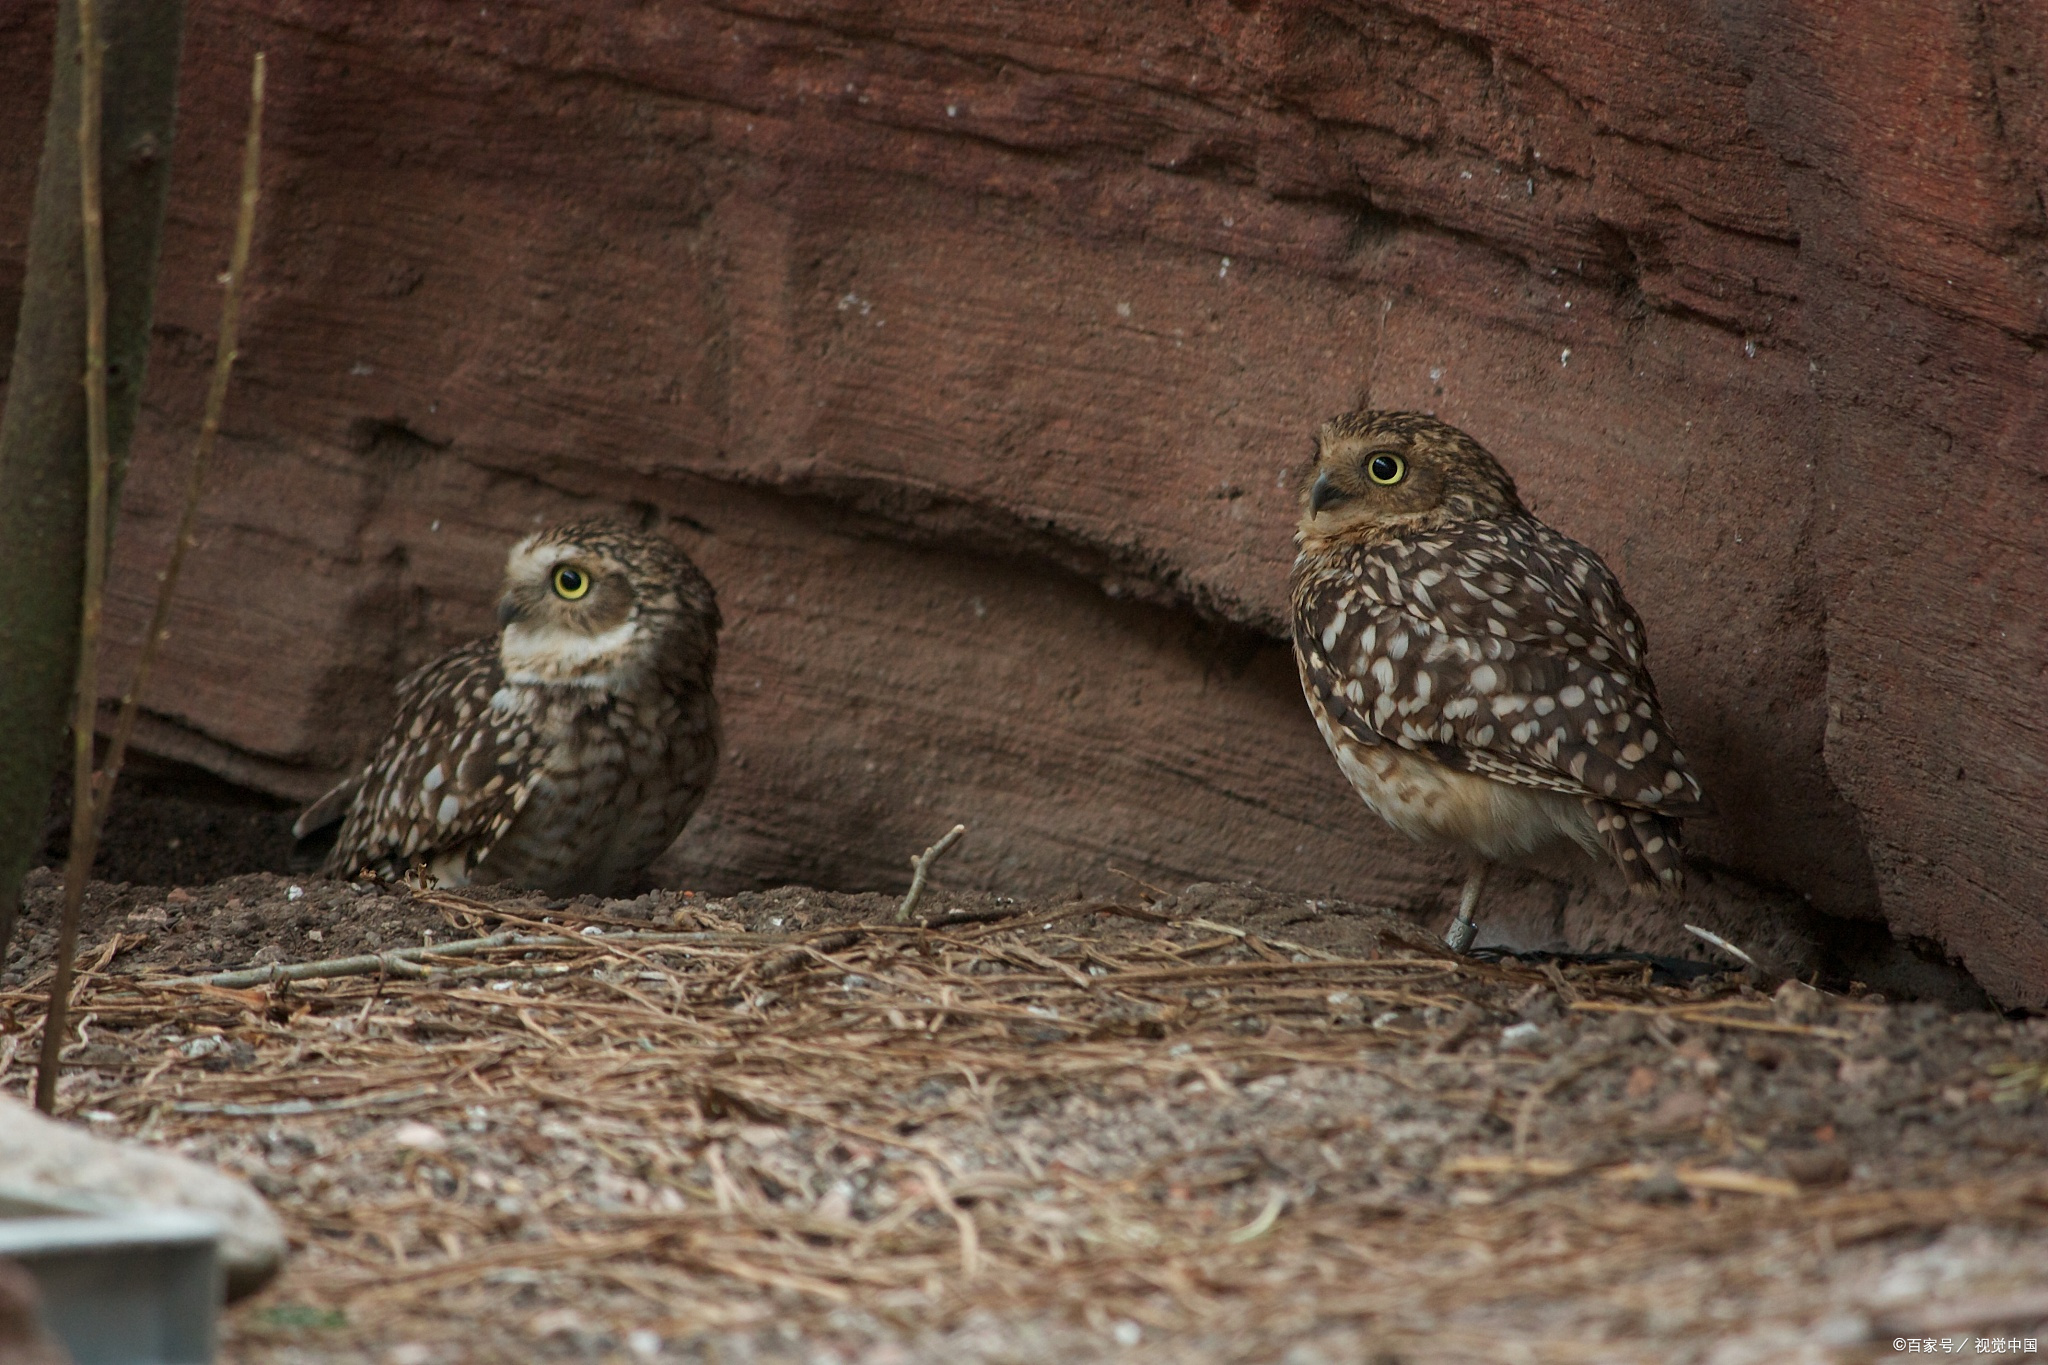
(973, 350)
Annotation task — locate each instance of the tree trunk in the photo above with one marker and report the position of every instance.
(42, 435)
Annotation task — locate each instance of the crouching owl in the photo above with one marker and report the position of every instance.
(563, 753)
(1479, 677)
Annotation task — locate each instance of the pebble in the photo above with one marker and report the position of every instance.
(1521, 1037)
(415, 1136)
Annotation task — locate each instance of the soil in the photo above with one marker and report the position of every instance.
(173, 824)
(1211, 1125)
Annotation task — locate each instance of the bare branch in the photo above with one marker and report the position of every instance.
(92, 61)
(921, 867)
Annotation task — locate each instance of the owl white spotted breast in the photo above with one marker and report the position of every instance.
(563, 753)
(1480, 678)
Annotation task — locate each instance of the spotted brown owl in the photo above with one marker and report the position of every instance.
(1479, 677)
(563, 753)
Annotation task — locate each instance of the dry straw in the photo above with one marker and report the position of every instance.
(723, 1070)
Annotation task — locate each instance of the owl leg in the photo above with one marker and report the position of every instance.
(1463, 929)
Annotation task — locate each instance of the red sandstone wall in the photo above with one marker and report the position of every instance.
(976, 343)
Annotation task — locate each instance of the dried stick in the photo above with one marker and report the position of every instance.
(224, 357)
(970, 1235)
(90, 792)
(920, 868)
(1276, 1203)
(92, 64)
(405, 961)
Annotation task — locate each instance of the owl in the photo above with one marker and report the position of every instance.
(563, 753)
(1479, 677)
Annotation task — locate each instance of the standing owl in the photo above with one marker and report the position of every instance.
(1479, 677)
(563, 753)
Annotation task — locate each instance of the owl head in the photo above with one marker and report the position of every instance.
(591, 602)
(1380, 475)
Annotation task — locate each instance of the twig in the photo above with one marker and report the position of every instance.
(1287, 944)
(1721, 1179)
(91, 793)
(407, 961)
(1696, 1015)
(782, 964)
(1263, 1224)
(1161, 892)
(993, 915)
(963, 1221)
(283, 1108)
(224, 358)
(921, 866)
(92, 60)
(1537, 1167)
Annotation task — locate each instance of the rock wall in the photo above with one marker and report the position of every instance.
(973, 348)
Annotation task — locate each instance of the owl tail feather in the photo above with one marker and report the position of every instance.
(1643, 843)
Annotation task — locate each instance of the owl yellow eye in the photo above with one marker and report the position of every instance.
(1386, 469)
(571, 583)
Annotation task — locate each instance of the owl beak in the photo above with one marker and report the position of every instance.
(1321, 494)
(508, 611)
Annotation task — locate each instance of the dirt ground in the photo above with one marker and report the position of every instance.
(1214, 1125)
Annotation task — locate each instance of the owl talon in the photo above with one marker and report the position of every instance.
(1465, 927)
(1461, 933)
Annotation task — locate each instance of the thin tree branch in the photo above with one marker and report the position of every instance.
(920, 868)
(92, 57)
(43, 438)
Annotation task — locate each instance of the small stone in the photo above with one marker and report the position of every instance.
(1816, 1167)
(229, 1055)
(1522, 1037)
(1796, 1002)
(557, 1322)
(102, 1056)
(419, 1137)
(1681, 1111)
(1841, 1330)
(1661, 1187)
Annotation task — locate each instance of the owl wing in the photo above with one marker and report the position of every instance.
(1502, 649)
(451, 776)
